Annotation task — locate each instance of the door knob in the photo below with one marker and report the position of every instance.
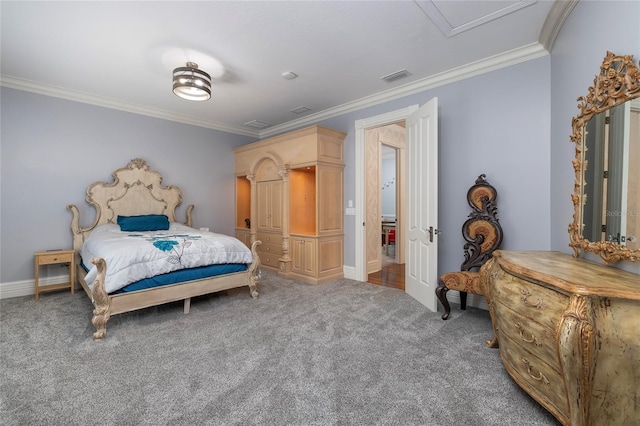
(433, 232)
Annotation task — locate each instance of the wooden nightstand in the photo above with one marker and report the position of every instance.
(52, 257)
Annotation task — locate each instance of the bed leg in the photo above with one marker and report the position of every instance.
(99, 321)
(253, 289)
(101, 301)
(187, 305)
(254, 270)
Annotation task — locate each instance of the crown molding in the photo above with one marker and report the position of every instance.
(503, 60)
(560, 11)
(76, 96)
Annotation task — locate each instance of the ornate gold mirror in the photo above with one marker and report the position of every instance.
(606, 132)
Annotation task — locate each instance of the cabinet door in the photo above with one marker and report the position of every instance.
(309, 254)
(264, 209)
(297, 255)
(303, 256)
(276, 206)
(269, 206)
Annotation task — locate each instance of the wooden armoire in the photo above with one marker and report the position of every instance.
(289, 195)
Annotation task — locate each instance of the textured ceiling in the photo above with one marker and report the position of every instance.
(121, 54)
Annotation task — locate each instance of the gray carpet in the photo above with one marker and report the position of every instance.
(343, 353)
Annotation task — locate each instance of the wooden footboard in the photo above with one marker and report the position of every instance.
(106, 305)
(138, 190)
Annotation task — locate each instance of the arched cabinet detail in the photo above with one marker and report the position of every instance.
(289, 195)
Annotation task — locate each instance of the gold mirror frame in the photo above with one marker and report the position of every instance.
(617, 82)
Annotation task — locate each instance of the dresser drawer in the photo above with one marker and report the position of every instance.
(529, 334)
(531, 300)
(542, 381)
(269, 259)
(268, 248)
(266, 237)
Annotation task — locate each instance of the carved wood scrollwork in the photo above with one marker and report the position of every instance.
(539, 377)
(576, 352)
(524, 296)
(485, 277)
(617, 82)
(254, 270)
(101, 301)
(533, 339)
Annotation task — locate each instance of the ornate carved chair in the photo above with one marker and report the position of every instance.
(483, 235)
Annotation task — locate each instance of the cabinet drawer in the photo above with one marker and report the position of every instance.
(46, 259)
(269, 259)
(267, 248)
(529, 334)
(269, 238)
(534, 375)
(529, 299)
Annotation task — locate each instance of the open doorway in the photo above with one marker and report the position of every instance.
(388, 174)
(418, 222)
(384, 158)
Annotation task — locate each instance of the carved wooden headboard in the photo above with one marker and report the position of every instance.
(135, 190)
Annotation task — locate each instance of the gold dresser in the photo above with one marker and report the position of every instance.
(569, 334)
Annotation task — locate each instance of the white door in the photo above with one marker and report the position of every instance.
(422, 205)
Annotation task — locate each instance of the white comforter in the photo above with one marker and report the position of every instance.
(132, 256)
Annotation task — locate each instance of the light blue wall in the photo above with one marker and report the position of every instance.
(592, 29)
(495, 123)
(484, 128)
(52, 149)
(512, 124)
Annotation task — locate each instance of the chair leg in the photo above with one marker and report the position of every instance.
(463, 300)
(441, 293)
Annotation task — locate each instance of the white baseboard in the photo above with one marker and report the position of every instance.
(27, 287)
(349, 272)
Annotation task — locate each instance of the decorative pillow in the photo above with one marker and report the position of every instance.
(147, 222)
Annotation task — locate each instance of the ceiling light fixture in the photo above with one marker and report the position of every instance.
(191, 83)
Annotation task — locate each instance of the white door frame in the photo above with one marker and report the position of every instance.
(361, 126)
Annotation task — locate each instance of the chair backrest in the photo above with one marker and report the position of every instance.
(482, 231)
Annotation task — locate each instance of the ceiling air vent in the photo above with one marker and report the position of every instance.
(300, 110)
(396, 76)
(257, 124)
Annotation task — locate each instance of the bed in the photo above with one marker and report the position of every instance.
(136, 207)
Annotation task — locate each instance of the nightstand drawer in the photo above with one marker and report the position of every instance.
(53, 257)
(48, 259)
